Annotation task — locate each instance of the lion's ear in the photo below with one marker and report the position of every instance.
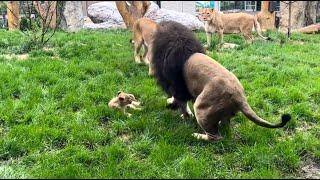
(132, 97)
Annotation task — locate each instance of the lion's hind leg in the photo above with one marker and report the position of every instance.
(208, 118)
(145, 55)
(138, 41)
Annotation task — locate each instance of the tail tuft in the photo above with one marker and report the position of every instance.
(285, 118)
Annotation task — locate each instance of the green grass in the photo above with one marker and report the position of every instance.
(55, 122)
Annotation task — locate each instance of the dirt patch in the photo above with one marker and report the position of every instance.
(304, 126)
(48, 49)
(20, 57)
(310, 170)
(124, 137)
(297, 42)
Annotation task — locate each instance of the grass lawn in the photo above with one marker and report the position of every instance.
(55, 122)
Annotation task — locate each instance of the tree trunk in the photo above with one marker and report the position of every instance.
(303, 13)
(13, 15)
(132, 10)
(289, 20)
(310, 12)
(265, 17)
(47, 11)
(318, 12)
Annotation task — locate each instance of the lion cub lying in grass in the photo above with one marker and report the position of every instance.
(123, 101)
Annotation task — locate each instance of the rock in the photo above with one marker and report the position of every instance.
(105, 15)
(186, 19)
(104, 25)
(105, 12)
(87, 20)
(314, 28)
(153, 7)
(73, 16)
(229, 46)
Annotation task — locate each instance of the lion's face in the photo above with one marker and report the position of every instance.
(125, 98)
(206, 14)
(121, 100)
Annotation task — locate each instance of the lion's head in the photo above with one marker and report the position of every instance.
(206, 14)
(122, 99)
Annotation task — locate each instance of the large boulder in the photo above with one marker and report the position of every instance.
(186, 19)
(72, 16)
(105, 15)
(104, 25)
(104, 12)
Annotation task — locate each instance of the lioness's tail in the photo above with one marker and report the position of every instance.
(250, 114)
(258, 28)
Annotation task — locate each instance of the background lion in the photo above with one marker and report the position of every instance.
(143, 30)
(229, 24)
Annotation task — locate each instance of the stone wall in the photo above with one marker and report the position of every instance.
(180, 6)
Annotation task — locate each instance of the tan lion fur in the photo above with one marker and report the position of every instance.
(231, 23)
(143, 30)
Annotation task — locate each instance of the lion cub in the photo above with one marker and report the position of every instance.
(231, 23)
(123, 101)
(143, 30)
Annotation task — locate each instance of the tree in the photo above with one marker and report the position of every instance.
(265, 17)
(132, 10)
(13, 15)
(40, 27)
(289, 4)
(47, 12)
(310, 12)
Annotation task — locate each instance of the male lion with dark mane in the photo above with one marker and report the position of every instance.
(186, 73)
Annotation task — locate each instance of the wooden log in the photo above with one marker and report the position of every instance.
(47, 11)
(311, 29)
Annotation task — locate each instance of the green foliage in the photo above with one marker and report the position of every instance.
(55, 122)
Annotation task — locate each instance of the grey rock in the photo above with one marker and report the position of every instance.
(105, 15)
(104, 12)
(186, 19)
(73, 16)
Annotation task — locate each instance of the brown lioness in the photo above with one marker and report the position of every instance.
(143, 30)
(232, 23)
(186, 73)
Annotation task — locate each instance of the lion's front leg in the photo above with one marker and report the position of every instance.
(209, 39)
(220, 35)
(183, 106)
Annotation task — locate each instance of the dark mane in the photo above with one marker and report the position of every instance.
(173, 44)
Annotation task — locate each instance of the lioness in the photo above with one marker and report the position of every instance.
(186, 73)
(143, 30)
(229, 23)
